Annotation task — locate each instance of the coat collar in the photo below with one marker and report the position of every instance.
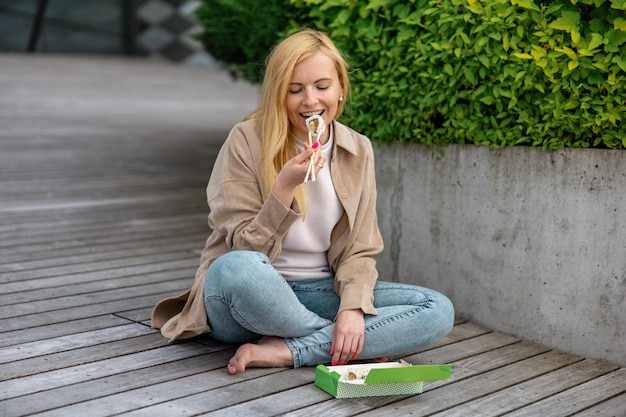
(343, 138)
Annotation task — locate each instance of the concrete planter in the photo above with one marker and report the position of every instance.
(523, 241)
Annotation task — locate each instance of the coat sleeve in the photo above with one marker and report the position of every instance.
(239, 219)
(237, 209)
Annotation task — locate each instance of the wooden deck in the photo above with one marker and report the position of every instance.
(103, 164)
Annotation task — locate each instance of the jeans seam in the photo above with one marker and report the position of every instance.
(295, 353)
(408, 313)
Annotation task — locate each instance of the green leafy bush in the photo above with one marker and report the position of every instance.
(239, 33)
(497, 73)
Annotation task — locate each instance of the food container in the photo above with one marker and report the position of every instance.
(377, 379)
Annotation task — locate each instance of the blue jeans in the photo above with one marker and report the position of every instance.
(245, 297)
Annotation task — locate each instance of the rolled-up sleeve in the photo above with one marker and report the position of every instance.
(238, 211)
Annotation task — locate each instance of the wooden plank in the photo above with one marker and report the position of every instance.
(111, 203)
(463, 349)
(83, 355)
(63, 286)
(168, 395)
(90, 392)
(465, 331)
(280, 403)
(26, 225)
(531, 391)
(91, 310)
(20, 260)
(105, 184)
(87, 224)
(88, 371)
(459, 332)
(45, 288)
(71, 341)
(228, 395)
(54, 257)
(137, 314)
(579, 397)
(52, 330)
(81, 300)
(612, 407)
(77, 269)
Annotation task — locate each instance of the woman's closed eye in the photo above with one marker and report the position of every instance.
(299, 90)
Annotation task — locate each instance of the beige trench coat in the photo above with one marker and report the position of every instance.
(241, 220)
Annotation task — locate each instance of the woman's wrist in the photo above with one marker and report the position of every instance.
(284, 193)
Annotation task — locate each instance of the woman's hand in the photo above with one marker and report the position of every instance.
(348, 337)
(293, 172)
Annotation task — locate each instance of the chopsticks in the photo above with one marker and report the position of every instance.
(316, 127)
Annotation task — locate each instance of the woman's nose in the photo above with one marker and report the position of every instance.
(310, 97)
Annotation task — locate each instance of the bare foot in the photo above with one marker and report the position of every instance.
(269, 352)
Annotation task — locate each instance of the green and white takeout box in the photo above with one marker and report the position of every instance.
(391, 378)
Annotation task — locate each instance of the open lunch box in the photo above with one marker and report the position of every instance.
(377, 379)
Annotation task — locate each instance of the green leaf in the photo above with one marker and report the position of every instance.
(618, 4)
(484, 60)
(471, 77)
(596, 78)
(526, 4)
(614, 39)
(465, 38)
(619, 24)
(405, 34)
(621, 62)
(377, 4)
(505, 41)
(568, 22)
(567, 51)
(596, 40)
(342, 17)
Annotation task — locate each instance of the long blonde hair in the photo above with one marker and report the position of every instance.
(278, 148)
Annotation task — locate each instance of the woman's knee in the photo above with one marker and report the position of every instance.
(236, 269)
(445, 311)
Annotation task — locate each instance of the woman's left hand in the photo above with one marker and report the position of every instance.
(348, 337)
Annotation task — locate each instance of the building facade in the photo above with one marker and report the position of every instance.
(162, 29)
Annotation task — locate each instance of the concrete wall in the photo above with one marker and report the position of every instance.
(523, 241)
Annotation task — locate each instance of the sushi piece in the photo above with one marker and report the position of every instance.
(356, 373)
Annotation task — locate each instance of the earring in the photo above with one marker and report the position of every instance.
(340, 98)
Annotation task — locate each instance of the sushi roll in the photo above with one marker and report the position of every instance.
(357, 373)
